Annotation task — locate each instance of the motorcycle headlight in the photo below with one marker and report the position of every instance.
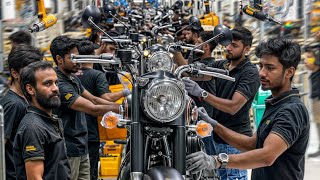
(160, 61)
(164, 100)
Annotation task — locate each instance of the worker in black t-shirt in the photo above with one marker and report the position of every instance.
(205, 82)
(277, 150)
(107, 47)
(232, 100)
(312, 62)
(75, 102)
(39, 146)
(96, 83)
(14, 102)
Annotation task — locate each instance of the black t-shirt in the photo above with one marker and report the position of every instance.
(247, 83)
(15, 107)
(315, 85)
(209, 86)
(95, 82)
(287, 117)
(112, 76)
(74, 122)
(40, 137)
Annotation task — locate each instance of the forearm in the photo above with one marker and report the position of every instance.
(249, 160)
(112, 96)
(225, 105)
(100, 110)
(237, 140)
(100, 101)
(180, 59)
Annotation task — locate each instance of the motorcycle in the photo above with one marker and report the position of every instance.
(160, 117)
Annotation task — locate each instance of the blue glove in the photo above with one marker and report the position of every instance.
(204, 116)
(192, 87)
(199, 161)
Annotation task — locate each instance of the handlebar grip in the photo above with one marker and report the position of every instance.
(216, 70)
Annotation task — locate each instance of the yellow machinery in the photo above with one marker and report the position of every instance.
(209, 18)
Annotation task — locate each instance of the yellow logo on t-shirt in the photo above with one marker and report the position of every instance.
(31, 148)
(267, 122)
(68, 96)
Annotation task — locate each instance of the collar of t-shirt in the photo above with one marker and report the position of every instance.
(273, 101)
(239, 66)
(41, 113)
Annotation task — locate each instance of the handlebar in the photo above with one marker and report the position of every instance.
(107, 58)
(194, 69)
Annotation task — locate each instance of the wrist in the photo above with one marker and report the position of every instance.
(204, 94)
(217, 162)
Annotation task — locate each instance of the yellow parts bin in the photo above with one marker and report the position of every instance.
(111, 148)
(111, 160)
(110, 164)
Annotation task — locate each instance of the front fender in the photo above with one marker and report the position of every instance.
(163, 173)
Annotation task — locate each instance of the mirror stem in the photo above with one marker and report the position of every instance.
(90, 19)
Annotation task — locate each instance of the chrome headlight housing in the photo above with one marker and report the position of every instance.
(164, 100)
(160, 61)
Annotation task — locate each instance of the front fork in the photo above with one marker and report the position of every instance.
(136, 135)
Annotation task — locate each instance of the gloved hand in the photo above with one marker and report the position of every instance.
(192, 87)
(204, 116)
(126, 92)
(199, 160)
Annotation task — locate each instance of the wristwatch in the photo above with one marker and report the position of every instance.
(223, 158)
(204, 94)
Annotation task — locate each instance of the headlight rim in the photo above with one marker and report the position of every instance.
(152, 55)
(180, 111)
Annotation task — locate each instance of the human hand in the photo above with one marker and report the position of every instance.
(192, 87)
(204, 116)
(199, 161)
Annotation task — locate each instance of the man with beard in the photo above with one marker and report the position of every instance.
(190, 37)
(75, 102)
(39, 146)
(232, 100)
(14, 102)
(277, 150)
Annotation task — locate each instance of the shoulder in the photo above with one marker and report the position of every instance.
(13, 101)
(293, 110)
(29, 122)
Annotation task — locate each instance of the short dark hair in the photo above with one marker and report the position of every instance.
(206, 36)
(61, 45)
(28, 75)
(21, 37)
(243, 34)
(21, 56)
(85, 48)
(288, 52)
(194, 31)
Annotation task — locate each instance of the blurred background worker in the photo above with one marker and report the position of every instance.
(312, 62)
(20, 38)
(96, 83)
